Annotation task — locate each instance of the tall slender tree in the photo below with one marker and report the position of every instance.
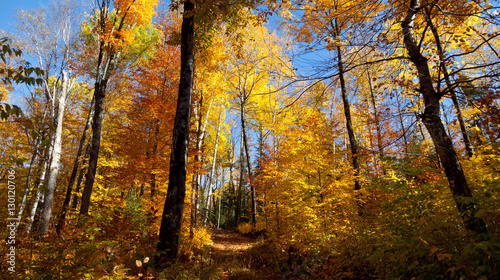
(52, 54)
(208, 14)
(114, 32)
(432, 121)
(169, 235)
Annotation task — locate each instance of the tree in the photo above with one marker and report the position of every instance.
(207, 16)
(334, 26)
(347, 112)
(174, 202)
(54, 163)
(21, 75)
(113, 33)
(149, 115)
(432, 121)
(52, 53)
(261, 62)
(74, 172)
(212, 171)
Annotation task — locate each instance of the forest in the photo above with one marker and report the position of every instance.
(251, 139)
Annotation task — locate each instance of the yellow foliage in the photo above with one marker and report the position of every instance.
(138, 12)
(260, 226)
(200, 239)
(245, 228)
(118, 28)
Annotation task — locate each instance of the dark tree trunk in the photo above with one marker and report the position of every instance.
(106, 62)
(253, 210)
(154, 155)
(432, 121)
(170, 228)
(81, 175)
(347, 112)
(141, 189)
(231, 190)
(377, 121)
(240, 183)
(99, 96)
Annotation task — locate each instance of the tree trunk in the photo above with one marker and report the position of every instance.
(259, 168)
(208, 198)
(56, 156)
(240, 183)
(194, 194)
(231, 189)
(170, 228)
(221, 190)
(380, 145)
(39, 193)
(99, 96)
(214, 160)
(347, 112)
(154, 155)
(27, 190)
(74, 172)
(465, 135)
(105, 65)
(39, 190)
(253, 210)
(141, 189)
(200, 137)
(402, 124)
(277, 163)
(36, 210)
(220, 197)
(81, 175)
(432, 121)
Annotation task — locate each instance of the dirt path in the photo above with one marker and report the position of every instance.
(230, 253)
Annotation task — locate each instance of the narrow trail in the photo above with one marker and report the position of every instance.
(230, 252)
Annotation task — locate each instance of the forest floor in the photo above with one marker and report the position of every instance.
(231, 254)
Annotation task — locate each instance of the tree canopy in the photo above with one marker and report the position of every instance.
(326, 139)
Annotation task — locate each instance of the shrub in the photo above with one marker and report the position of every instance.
(245, 228)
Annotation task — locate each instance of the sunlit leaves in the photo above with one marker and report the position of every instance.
(117, 27)
(138, 12)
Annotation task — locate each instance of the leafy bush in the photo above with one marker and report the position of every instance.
(245, 228)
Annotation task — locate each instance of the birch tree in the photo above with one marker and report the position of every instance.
(48, 35)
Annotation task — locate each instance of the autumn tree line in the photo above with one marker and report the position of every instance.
(358, 139)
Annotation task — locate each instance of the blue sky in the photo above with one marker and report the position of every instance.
(8, 11)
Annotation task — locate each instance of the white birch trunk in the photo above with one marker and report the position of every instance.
(207, 208)
(27, 190)
(39, 190)
(56, 156)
